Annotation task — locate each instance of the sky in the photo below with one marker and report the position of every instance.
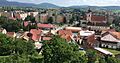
(66, 3)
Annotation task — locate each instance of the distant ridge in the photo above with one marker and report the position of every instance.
(49, 5)
(42, 5)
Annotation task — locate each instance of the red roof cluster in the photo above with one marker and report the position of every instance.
(45, 25)
(36, 34)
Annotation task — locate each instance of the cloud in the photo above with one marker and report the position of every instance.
(75, 2)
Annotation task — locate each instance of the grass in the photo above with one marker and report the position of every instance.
(115, 52)
(116, 11)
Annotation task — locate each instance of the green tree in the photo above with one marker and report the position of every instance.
(50, 20)
(58, 50)
(112, 60)
(9, 46)
(102, 60)
(12, 26)
(15, 51)
(72, 20)
(30, 18)
(6, 47)
(3, 20)
(23, 47)
(65, 20)
(92, 56)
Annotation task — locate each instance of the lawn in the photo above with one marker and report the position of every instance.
(115, 52)
(116, 11)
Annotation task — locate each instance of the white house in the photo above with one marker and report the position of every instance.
(110, 40)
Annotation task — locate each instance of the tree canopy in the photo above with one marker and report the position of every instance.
(58, 50)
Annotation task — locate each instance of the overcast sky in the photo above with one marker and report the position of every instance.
(74, 2)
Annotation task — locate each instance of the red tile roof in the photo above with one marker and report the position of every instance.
(98, 18)
(26, 23)
(35, 31)
(45, 25)
(67, 37)
(36, 34)
(66, 34)
(36, 37)
(116, 34)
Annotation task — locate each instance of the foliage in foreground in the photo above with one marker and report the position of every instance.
(56, 50)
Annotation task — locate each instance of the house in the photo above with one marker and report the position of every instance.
(74, 29)
(66, 34)
(3, 31)
(86, 33)
(0, 14)
(34, 14)
(19, 34)
(36, 34)
(100, 28)
(46, 38)
(45, 26)
(87, 38)
(43, 17)
(60, 19)
(38, 45)
(110, 40)
(108, 30)
(25, 36)
(6, 14)
(26, 23)
(11, 34)
(20, 15)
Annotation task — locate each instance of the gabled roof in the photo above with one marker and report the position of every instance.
(35, 31)
(36, 34)
(115, 36)
(108, 30)
(66, 34)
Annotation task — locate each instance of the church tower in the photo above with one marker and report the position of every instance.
(89, 15)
